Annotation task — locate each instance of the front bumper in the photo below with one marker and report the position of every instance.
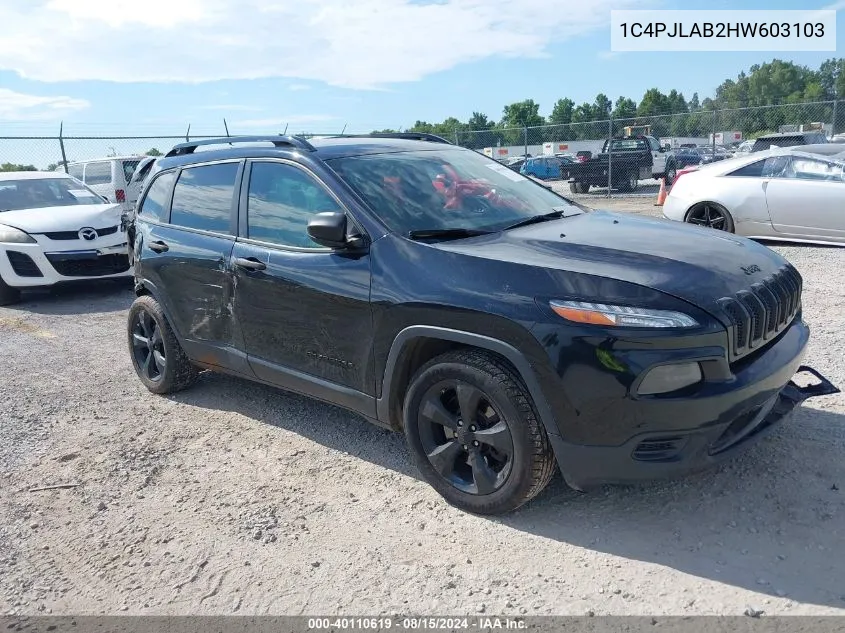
(652, 456)
(43, 264)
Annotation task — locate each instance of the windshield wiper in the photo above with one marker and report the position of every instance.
(536, 219)
(445, 234)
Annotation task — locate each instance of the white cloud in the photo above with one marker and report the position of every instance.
(298, 87)
(364, 44)
(16, 106)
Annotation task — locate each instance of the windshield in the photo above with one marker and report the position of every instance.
(37, 193)
(446, 189)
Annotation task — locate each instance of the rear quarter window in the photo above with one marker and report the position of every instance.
(156, 201)
(98, 173)
(129, 167)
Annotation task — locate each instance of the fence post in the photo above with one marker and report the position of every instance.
(525, 139)
(610, 157)
(713, 139)
(833, 123)
(62, 146)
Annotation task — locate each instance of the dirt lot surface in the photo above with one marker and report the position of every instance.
(236, 498)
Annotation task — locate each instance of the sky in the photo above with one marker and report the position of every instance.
(129, 68)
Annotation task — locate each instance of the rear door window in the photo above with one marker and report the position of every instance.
(77, 171)
(203, 196)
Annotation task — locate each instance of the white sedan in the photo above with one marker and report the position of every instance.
(779, 194)
(54, 229)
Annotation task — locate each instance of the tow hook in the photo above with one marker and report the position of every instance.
(799, 394)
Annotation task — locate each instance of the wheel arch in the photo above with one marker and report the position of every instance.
(146, 287)
(415, 345)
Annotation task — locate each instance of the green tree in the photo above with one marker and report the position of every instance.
(17, 167)
(522, 114)
(562, 112)
(624, 108)
(154, 152)
(694, 104)
(602, 107)
(479, 121)
(653, 103)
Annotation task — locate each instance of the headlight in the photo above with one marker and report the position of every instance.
(667, 378)
(12, 235)
(622, 316)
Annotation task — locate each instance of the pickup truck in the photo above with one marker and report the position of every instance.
(630, 159)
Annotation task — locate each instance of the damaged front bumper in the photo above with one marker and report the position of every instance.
(675, 454)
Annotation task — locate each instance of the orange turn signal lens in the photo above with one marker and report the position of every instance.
(583, 316)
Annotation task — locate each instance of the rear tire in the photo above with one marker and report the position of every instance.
(8, 295)
(473, 433)
(631, 183)
(711, 215)
(156, 354)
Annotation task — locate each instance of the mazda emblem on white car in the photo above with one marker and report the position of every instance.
(87, 233)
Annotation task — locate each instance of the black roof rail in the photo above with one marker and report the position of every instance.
(413, 136)
(278, 140)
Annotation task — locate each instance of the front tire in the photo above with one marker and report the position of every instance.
(8, 294)
(156, 354)
(474, 434)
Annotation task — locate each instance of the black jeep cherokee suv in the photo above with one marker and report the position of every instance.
(504, 329)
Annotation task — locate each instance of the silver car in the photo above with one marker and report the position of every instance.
(795, 195)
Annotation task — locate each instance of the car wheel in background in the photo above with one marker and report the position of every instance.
(474, 435)
(159, 360)
(711, 215)
(631, 183)
(671, 174)
(8, 295)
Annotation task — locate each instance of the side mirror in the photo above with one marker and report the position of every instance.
(328, 229)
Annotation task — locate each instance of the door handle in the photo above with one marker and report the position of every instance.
(250, 263)
(159, 247)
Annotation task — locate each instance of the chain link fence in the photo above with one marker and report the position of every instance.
(717, 128)
(719, 131)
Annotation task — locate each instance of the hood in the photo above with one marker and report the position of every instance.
(695, 264)
(63, 218)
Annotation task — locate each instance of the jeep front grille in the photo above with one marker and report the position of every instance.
(763, 311)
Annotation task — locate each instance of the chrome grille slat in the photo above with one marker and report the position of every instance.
(764, 310)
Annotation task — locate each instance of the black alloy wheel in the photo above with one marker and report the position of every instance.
(465, 439)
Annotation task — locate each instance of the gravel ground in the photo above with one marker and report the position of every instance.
(236, 498)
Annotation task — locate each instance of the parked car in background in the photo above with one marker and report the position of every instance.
(743, 148)
(544, 167)
(686, 156)
(710, 155)
(780, 194)
(788, 139)
(583, 155)
(505, 331)
(515, 163)
(109, 177)
(55, 229)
